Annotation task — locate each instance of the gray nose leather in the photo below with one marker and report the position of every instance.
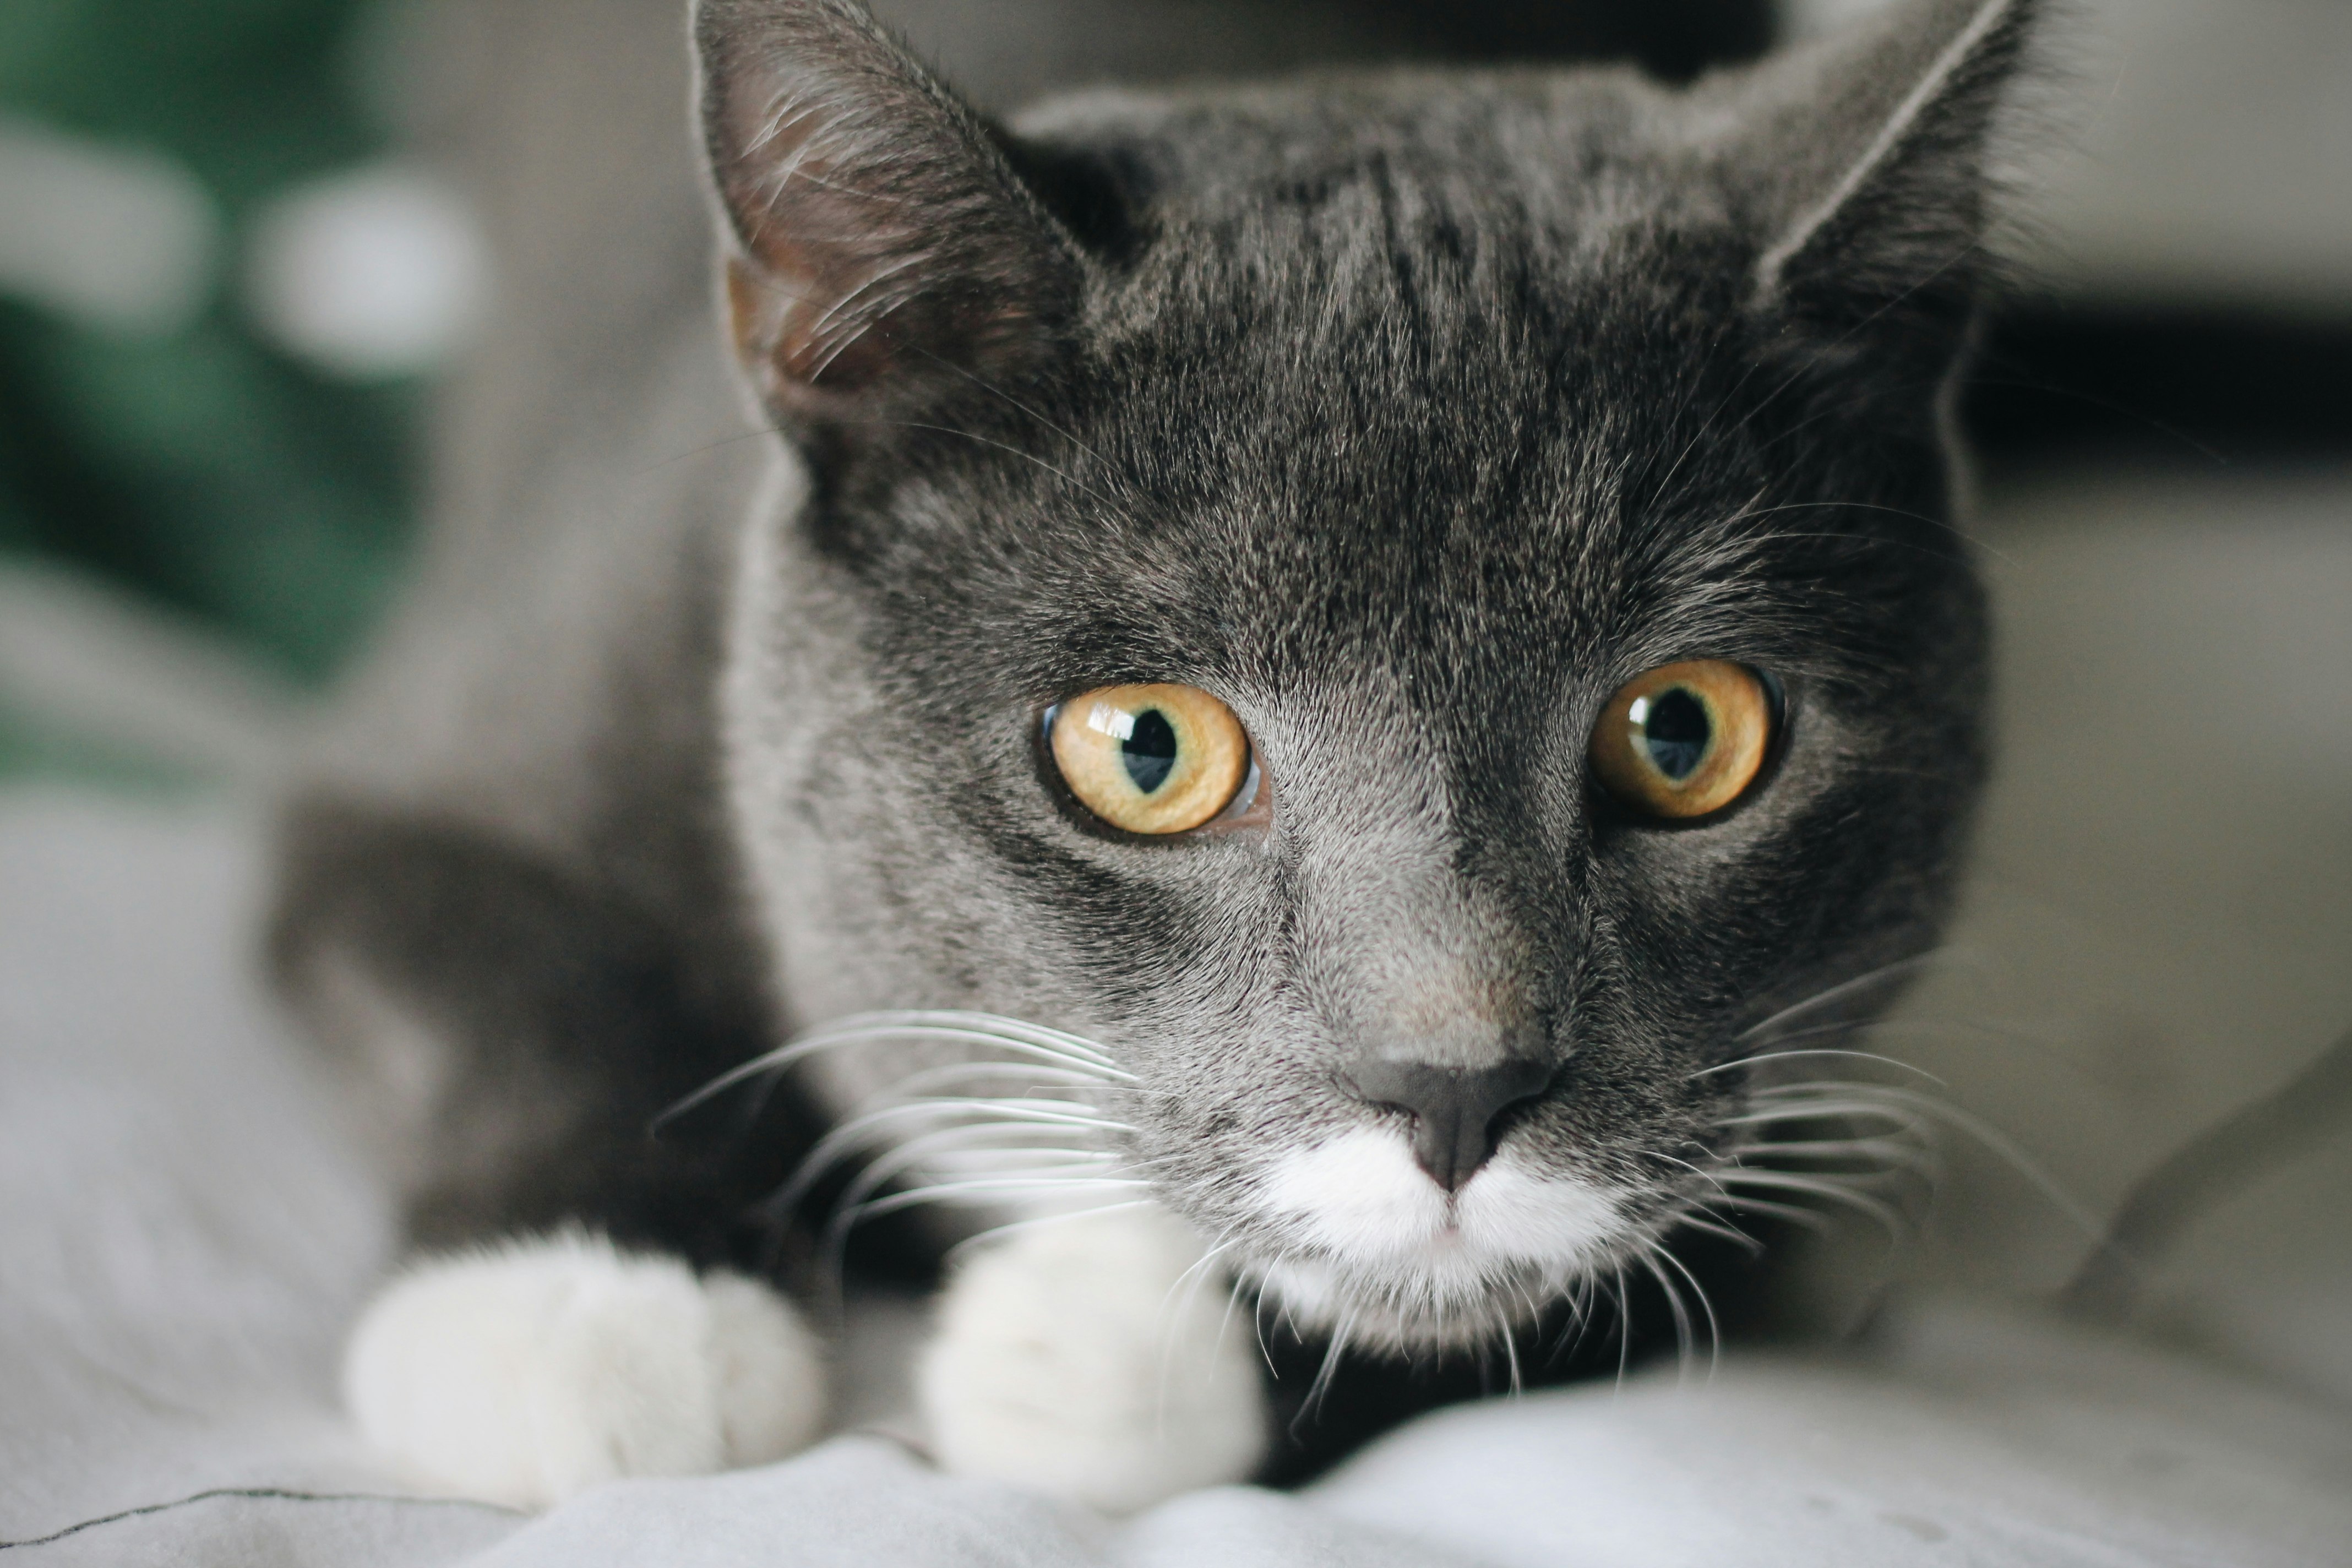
(1453, 1109)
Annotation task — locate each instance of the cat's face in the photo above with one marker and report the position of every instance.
(1406, 423)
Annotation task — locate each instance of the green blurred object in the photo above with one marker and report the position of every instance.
(204, 469)
(35, 746)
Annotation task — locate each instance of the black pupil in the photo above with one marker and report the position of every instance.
(1676, 732)
(1149, 750)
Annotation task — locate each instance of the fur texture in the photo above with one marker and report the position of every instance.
(1095, 1359)
(522, 1374)
(1410, 414)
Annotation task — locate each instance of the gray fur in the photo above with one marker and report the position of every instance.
(1410, 412)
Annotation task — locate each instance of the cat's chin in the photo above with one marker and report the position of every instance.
(1378, 1253)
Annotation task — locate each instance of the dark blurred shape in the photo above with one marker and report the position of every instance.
(1003, 54)
(1674, 40)
(209, 473)
(2253, 1140)
(208, 470)
(2163, 383)
(199, 465)
(217, 475)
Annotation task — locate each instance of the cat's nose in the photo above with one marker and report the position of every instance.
(1453, 1109)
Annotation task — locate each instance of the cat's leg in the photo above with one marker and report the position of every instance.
(1097, 1358)
(573, 1306)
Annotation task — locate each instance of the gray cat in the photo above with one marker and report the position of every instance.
(1306, 671)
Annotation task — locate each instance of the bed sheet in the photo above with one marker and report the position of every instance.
(184, 1229)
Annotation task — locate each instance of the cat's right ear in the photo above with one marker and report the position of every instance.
(1872, 157)
(880, 251)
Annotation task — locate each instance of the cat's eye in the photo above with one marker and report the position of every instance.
(1684, 740)
(1151, 759)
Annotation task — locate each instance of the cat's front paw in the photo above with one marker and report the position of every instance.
(522, 1374)
(1086, 1358)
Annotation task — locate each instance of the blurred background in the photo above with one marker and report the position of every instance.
(235, 250)
(245, 247)
(221, 293)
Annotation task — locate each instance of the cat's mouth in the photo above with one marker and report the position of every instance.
(1373, 1250)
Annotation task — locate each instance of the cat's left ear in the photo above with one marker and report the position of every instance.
(1873, 159)
(881, 250)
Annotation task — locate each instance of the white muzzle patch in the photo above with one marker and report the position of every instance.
(1370, 1231)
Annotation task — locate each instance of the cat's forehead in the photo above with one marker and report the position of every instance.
(1408, 300)
(1363, 438)
(1442, 380)
(1350, 518)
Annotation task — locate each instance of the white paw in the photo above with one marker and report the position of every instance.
(1076, 1358)
(522, 1374)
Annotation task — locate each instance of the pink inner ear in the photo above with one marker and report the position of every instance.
(831, 261)
(794, 331)
(883, 242)
(826, 334)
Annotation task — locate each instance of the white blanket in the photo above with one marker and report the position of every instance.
(183, 1233)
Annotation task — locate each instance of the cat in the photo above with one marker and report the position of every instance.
(1312, 669)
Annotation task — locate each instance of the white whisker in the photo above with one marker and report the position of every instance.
(1714, 1327)
(1028, 1073)
(1709, 1224)
(1683, 1338)
(1885, 1214)
(981, 1238)
(1893, 1152)
(1701, 1172)
(1026, 1112)
(990, 1189)
(1000, 1108)
(1625, 1326)
(1901, 968)
(942, 1149)
(1195, 1277)
(1915, 1113)
(1791, 1214)
(2006, 1148)
(980, 1118)
(1324, 1374)
(1232, 1298)
(1823, 1110)
(1915, 1026)
(1801, 1055)
(947, 1023)
(1257, 1322)
(1172, 1310)
(915, 1153)
(1510, 1353)
(1051, 1046)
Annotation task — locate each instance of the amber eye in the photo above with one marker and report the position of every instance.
(1685, 738)
(1150, 759)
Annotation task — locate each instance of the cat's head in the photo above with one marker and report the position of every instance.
(1217, 609)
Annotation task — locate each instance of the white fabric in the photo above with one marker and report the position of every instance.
(183, 1237)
